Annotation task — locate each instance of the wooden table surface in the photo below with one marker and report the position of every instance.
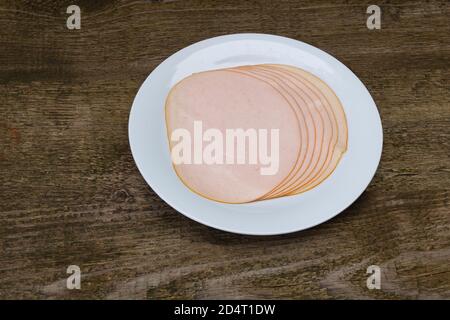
(70, 193)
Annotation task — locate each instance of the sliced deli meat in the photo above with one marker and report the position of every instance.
(226, 101)
(340, 143)
(305, 116)
(319, 125)
(325, 137)
(293, 132)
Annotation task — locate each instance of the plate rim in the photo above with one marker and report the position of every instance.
(252, 36)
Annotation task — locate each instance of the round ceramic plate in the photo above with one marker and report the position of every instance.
(149, 143)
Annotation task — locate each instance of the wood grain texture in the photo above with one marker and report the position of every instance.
(70, 192)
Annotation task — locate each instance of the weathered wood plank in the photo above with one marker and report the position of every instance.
(71, 194)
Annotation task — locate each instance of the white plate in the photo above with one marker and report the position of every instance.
(149, 143)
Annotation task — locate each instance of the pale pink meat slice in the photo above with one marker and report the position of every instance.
(326, 137)
(222, 100)
(340, 142)
(311, 124)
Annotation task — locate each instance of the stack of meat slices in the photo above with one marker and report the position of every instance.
(310, 118)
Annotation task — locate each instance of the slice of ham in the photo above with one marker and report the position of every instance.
(222, 100)
(307, 130)
(319, 121)
(308, 114)
(339, 122)
(325, 136)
